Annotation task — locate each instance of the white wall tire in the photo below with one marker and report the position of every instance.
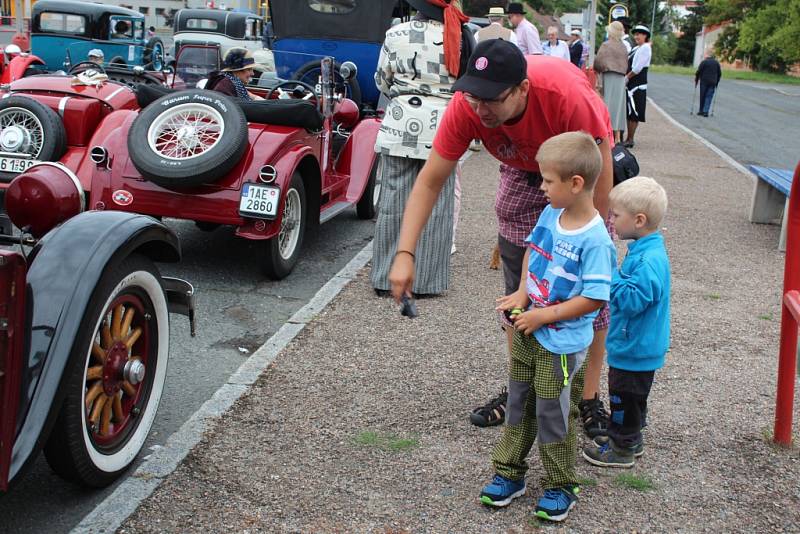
(96, 453)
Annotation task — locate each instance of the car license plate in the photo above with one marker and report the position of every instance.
(16, 165)
(260, 201)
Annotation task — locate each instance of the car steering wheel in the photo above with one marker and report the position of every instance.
(86, 66)
(310, 91)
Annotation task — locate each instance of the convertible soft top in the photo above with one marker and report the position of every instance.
(367, 21)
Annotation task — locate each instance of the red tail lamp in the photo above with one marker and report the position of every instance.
(44, 196)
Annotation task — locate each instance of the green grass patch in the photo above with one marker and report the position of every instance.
(635, 482)
(765, 317)
(713, 296)
(391, 442)
(730, 74)
(586, 481)
(767, 436)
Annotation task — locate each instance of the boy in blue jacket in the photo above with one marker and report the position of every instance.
(638, 335)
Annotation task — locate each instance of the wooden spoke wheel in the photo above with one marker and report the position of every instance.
(116, 376)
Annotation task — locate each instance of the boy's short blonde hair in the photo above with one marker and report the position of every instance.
(641, 194)
(572, 153)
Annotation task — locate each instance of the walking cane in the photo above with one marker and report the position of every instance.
(691, 106)
(713, 101)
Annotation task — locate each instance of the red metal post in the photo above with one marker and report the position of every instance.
(787, 359)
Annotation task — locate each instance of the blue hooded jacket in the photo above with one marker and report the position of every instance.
(638, 335)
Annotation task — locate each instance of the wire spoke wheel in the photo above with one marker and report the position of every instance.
(21, 132)
(290, 224)
(186, 131)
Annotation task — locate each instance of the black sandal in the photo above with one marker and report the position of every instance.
(493, 414)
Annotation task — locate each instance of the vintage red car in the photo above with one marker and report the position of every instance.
(272, 169)
(84, 332)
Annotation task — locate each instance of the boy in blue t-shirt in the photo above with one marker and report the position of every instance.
(638, 335)
(569, 260)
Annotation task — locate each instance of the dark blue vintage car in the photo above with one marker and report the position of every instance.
(64, 31)
(351, 29)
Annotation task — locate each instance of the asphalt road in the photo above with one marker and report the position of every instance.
(237, 310)
(753, 122)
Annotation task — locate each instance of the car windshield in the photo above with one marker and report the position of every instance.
(122, 55)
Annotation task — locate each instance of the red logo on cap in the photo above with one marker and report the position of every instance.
(481, 63)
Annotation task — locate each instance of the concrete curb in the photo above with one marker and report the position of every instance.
(108, 515)
(714, 148)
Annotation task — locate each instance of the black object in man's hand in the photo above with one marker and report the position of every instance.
(408, 308)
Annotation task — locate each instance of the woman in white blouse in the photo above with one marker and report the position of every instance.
(636, 79)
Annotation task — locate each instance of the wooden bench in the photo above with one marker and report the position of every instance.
(770, 203)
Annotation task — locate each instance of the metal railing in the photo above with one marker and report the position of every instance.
(790, 317)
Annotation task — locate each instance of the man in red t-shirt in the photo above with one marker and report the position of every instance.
(512, 103)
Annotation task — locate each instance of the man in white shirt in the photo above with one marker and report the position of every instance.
(527, 34)
(554, 46)
(496, 29)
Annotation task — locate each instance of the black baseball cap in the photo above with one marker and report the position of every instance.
(493, 67)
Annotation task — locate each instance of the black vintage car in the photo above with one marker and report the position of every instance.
(84, 331)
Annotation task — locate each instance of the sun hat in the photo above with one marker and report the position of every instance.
(641, 28)
(96, 52)
(496, 12)
(515, 8)
(238, 59)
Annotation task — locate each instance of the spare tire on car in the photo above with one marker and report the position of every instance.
(188, 138)
(29, 128)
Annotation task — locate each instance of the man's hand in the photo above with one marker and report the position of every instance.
(530, 321)
(517, 299)
(401, 275)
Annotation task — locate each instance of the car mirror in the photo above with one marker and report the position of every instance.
(138, 70)
(348, 70)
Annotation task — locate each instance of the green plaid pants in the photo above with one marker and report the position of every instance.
(541, 402)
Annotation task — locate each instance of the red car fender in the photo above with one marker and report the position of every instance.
(15, 69)
(285, 166)
(358, 156)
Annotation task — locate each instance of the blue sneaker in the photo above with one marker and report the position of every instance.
(501, 491)
(556, 503)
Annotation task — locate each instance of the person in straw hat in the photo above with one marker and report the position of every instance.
(496, 29)
(236, 73)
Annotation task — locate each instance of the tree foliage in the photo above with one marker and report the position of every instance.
(689, 26)
(766, 31)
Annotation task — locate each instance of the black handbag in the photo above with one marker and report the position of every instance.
(625, 164)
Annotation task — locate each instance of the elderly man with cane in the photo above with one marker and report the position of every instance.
(708, 75)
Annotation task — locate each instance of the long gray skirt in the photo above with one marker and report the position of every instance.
(614, 96)
(432, 274)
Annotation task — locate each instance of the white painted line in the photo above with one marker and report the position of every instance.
(714, 148)
(117, 507)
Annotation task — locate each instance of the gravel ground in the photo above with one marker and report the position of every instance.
(361, 423)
